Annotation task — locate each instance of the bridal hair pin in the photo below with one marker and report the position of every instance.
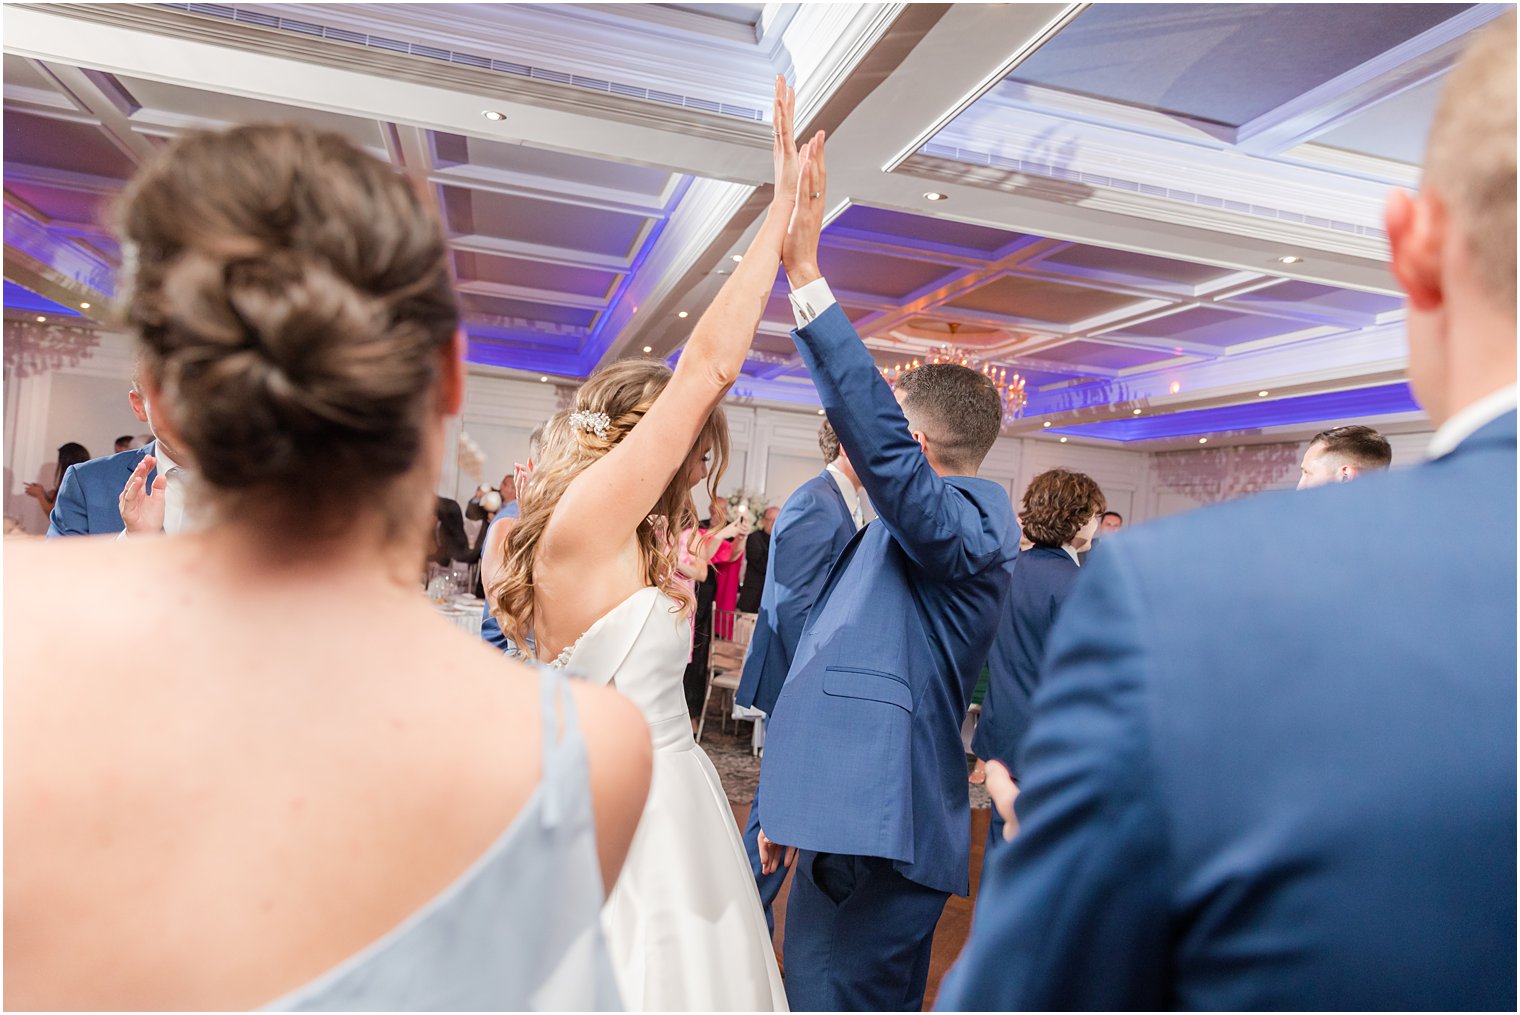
(595, 422)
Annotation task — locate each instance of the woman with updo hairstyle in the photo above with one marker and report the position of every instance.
(264, 772)
(1060, 508)
(593, 583)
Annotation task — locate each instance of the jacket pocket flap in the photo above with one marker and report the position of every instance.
(868, 684)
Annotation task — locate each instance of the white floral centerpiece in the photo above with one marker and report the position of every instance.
(744, 504)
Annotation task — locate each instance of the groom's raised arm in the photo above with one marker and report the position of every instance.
(938, 525)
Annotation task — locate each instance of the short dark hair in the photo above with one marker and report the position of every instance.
(1113, 514)
(957, 408)
(828, 442)
(125, 438)
(1057, 504)
(1359, 445)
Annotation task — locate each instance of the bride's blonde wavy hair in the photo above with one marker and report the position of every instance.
(624, 391)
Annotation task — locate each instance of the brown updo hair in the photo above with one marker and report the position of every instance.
(1057, 504)
(624, 391)
(291, 294)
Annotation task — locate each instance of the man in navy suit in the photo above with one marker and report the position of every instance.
(1060, 508)
(90, 495)
(813, 527)
(864, 768)
(1272, 764)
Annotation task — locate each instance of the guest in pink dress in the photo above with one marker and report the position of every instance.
(728, 565)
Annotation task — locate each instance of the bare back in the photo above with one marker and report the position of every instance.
(221, 780)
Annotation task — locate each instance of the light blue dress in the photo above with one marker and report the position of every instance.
(520, 930)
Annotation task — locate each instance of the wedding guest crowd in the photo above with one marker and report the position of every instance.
(1212, 790)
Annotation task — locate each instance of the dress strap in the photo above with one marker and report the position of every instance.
(561, 740)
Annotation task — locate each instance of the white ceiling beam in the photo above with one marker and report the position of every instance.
(104, 101)
(163, 45)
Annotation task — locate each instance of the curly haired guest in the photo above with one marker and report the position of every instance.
(270, 775)
(1059, 508)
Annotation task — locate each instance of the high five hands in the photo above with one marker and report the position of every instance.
(801, 177)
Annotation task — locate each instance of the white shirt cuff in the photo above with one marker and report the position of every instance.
(810, 301)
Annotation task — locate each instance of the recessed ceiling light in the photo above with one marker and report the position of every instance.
(737, 258)
(41, 320)
(1046, 423)
(84, 306)
(649, 348)
(820, 412)
(1289, 259)
(543, 380)
(682, 315)
(1137, 412)
(493, 114)
(1176, 387)
(1203, 440)
(1262, 394)
(935, 195)
(1063, 440)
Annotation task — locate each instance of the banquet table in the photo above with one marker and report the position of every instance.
(463, 611)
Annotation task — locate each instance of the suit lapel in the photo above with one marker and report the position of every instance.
(846, 520)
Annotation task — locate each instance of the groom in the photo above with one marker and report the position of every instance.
(864, 772)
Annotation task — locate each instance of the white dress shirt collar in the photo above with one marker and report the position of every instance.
(1470, 420)
(1072, 554)
(848, 491)
(165, 463)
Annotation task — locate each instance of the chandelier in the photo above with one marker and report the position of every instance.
(1010, 389)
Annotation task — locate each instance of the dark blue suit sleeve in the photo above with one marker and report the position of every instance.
(1073, 914)
(800, 559)
(69, 516)
(937, 524)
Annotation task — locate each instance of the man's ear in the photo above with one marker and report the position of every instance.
(139, 408)
(451, 375)
(1416, 226)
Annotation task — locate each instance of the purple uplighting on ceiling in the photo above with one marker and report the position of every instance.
(1361, 403)
(20, 298)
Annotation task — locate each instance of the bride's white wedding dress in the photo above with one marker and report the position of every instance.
(684, 922)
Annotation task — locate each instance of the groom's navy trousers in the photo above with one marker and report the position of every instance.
(864, 767)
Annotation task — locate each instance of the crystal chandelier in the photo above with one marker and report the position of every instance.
(1009, 388)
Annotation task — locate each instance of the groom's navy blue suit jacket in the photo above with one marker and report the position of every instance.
(89, 497)
(813, 526)
(864, 753)
(1272, 763)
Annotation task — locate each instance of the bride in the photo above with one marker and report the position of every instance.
(590, 580)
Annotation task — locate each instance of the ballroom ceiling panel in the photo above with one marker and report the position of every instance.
(1222, 63)
(1017, 297)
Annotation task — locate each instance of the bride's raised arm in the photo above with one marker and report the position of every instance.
(604, 505)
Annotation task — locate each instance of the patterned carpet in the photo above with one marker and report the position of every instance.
(739, 770)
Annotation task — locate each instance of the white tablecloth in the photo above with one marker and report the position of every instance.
(463, 611)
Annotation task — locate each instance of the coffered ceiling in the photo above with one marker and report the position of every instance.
(1166, 217)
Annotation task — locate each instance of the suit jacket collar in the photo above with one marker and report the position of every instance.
(825, 480)
(1496, 433)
